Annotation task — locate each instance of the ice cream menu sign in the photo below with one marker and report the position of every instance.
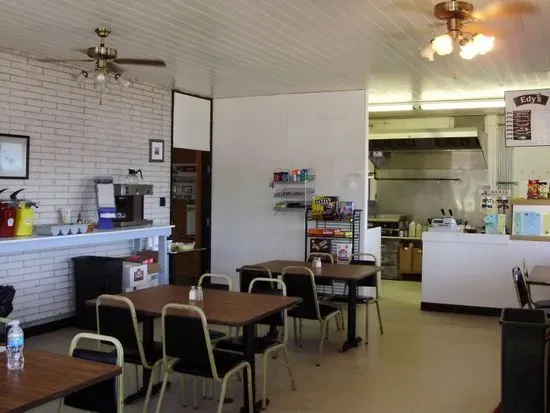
(527, 118)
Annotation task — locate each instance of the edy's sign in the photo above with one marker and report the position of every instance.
(531, 99)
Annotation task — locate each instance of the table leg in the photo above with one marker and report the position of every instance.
(352, 339)
(249, 333)
(148, 344)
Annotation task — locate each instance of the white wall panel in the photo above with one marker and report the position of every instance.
(255, 136)
(191, 125)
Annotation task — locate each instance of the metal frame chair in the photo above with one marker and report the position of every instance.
(215, 335)
(310, 307)
(178, 354)
(96, 356)
(121, 304)
(226, 278)
(523, 293)
(270, 346)
(247, 273)
(358, 259)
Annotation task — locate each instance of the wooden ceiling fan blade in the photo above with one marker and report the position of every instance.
(112, 67)
(485, 29)
(47, 60)
(418, 7)
(142, 62)
(504, 10)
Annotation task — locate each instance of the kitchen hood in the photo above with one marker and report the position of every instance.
(449, 149)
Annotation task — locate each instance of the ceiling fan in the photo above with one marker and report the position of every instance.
(106, 62)
(465, 25)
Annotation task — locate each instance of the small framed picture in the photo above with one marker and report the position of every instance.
(14, 156)
(156, 150)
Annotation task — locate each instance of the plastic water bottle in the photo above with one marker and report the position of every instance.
(193, 293)
(16, 342)
(200, 295)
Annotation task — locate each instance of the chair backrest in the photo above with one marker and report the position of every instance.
(300, 282)
(520, 286)
(249, 272)
(116, 317)
(185, 336)
(271, 286)
(326, 258)
(205, 281)
(365, 258)
(106, 396)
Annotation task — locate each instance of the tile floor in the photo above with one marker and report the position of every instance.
(424, 363)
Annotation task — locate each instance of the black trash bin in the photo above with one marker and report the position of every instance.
(523, 384)
(94, 276)
(7, 293)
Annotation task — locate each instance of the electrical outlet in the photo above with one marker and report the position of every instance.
(162, 201)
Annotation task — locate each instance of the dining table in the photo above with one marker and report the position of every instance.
(46, 377)
(225, 308)
(351, 274)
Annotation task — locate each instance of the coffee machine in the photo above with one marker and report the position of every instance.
(129, 204)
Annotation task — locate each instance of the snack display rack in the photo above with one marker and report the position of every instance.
(336, 232)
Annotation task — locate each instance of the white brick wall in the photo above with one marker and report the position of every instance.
(73, 139)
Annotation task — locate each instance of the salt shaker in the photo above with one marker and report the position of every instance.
(318, 263)
(193, 293)
(200, 295)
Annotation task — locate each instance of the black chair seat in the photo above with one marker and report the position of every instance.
(542, 304)
(325, 309)
(261, 344)
(132, 355)
(216, 334)
(224, 363)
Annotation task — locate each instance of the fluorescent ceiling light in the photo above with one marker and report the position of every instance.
(463, 104)
(391, 107)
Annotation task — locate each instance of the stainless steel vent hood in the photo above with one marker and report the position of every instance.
(450, 149)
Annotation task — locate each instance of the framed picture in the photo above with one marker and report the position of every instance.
(14, 156)
(156, 150)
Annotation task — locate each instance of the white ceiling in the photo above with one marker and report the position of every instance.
(228, 48)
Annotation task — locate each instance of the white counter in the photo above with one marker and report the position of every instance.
(39, 242)
(475, 270)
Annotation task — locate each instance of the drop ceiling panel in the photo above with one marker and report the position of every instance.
(228, 48)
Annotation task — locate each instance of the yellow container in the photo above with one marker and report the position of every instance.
(24, 219)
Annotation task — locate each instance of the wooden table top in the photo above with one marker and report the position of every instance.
(539, 275)
(46, 377)
(340, 272)
(220, 307)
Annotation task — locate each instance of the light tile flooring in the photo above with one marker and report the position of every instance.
(424, 363)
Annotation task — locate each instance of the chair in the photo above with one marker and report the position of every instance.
(195, 356)
(368, 259)
(326, 258)
(249, 273)
(523, 294)
(300, 282)
(205, 281)
(267, 344)
(118, 319)
(106, 396)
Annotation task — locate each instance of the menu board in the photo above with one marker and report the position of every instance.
(527, 118)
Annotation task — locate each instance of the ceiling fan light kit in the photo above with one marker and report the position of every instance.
(457, 15)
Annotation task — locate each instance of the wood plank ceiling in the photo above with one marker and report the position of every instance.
(229, 48)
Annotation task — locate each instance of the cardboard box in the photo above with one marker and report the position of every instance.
(134, 275)
(405, 259)
(416, 261)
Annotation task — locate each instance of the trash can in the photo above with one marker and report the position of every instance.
(94, 276)
(7, 292)
(523, 382)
